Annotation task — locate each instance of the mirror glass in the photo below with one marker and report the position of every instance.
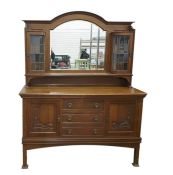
(77, 45)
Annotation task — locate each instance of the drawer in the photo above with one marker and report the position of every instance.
(83, 118)
(82, 103)
(70, 131)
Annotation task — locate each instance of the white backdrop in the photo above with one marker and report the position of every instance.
(152, 73)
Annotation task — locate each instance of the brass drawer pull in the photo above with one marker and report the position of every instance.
(58, 119)
(95, 118)
(69, 131)
(96, 105)
(69, 105)
(94, 131)
(69, 118)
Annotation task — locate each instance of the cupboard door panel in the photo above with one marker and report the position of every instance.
(43, 117)
(121, 118)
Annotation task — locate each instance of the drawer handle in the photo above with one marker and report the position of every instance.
(94, 131)
(69, 131)
(96, 105)
(58, 119)
(69, 118)
(69, 105)
(95, 118)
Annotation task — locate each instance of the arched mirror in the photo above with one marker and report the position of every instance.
(77, 45)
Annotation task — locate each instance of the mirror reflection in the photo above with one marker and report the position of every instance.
(77, 45)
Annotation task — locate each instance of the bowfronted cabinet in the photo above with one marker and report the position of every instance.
(78, 84)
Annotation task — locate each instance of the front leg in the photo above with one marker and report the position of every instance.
(25, 165)
(136, 156)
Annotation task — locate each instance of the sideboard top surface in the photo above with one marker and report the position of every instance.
(80, 90)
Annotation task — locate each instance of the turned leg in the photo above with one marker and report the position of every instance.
(136, 156)
(24, 166)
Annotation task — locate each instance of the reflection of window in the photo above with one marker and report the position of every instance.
(37, 52)
(73, 38)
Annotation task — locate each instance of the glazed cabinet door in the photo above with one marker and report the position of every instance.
(121, 118)
(43, 117)
(122, 52)
(35, 52)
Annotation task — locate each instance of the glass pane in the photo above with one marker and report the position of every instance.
(77, 45)
(37, 66)
(37, 52)
(120, 52)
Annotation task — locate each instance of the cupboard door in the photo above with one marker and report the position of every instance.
(43, 117)
(122, 51)
(121, 118)
(35, 51)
